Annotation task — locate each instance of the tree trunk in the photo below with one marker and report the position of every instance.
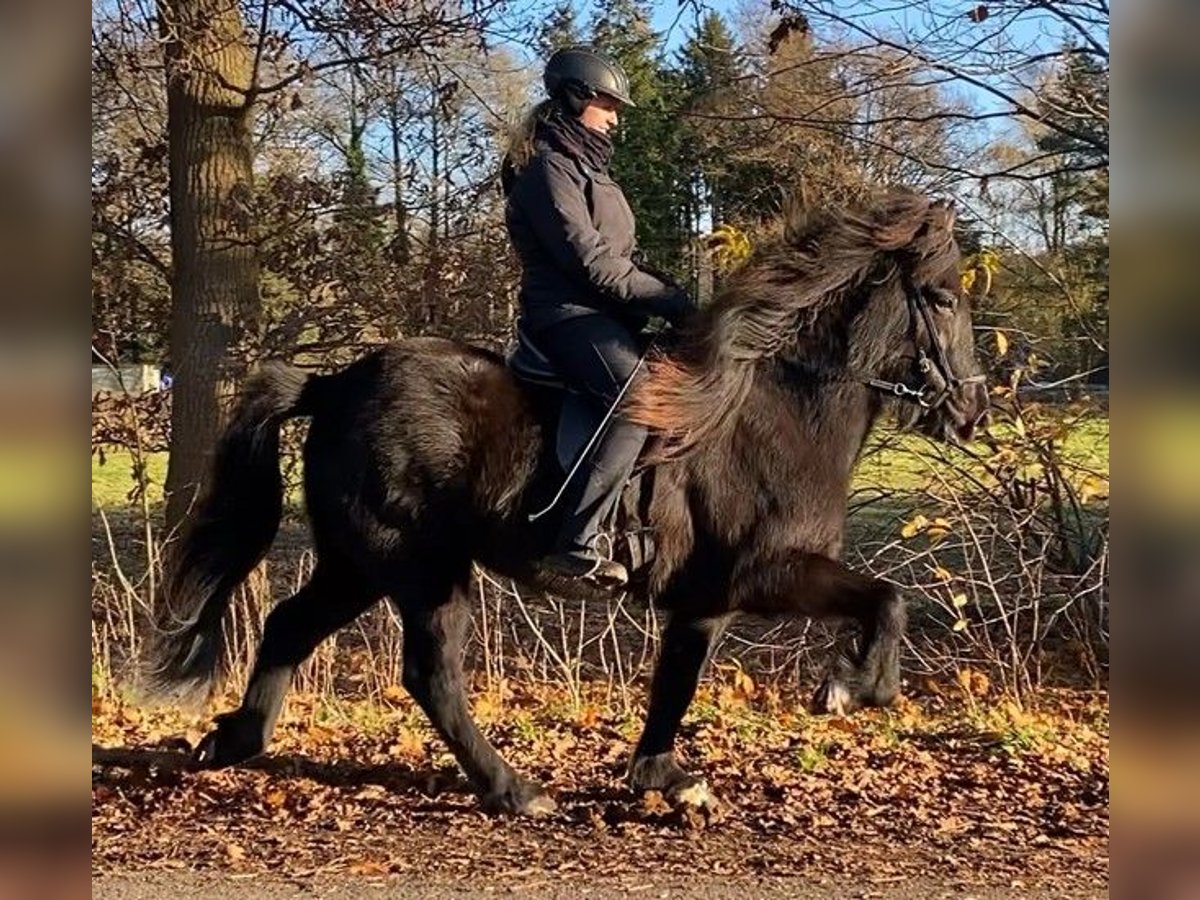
(433, 256)
(215, 301)
(400, 248)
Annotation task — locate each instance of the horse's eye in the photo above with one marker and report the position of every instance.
(942, 298)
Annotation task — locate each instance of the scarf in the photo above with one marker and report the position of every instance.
(568, 135)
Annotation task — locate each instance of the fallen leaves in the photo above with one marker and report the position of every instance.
(885, 793)
(934, 529)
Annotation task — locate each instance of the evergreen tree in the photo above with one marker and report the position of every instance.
(560, 30)
(647, 160)
(709, 61)
(709, 67)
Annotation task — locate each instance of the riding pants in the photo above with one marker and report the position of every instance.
(596, 354)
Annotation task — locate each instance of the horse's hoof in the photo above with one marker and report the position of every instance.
(885, 695)
(689, 802)
(227, 745)
(539, 806)
(694, 793)
(526, 799)
(834, 698)
(207, 754)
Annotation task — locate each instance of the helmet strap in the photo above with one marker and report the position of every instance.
(575, 95)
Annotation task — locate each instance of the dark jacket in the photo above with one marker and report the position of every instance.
(574, 233)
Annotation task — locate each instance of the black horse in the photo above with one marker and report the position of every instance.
(427, 456)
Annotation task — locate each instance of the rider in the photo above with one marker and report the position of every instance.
(583, 295)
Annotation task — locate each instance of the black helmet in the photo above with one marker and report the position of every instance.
(576, 74)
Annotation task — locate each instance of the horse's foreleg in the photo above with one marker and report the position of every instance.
(686, 645)
(433, 642)
(870, 674)
(292, 631)
(813, 585)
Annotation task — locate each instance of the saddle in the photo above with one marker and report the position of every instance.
(578, 422)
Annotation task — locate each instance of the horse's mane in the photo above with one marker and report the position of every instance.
(691, 391)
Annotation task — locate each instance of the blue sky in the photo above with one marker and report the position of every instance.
(1032, 31)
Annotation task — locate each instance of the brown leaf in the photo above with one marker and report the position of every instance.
(654, 804)
(275, 799)
(369, 867)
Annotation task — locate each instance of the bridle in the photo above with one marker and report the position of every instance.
(930, 370)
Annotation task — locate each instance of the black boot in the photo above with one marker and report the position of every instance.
(592, 495)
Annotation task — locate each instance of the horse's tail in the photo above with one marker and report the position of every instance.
(230, 533)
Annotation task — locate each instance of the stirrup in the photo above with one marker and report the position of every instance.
(596, 569)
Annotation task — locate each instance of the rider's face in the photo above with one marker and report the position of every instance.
(601, 113)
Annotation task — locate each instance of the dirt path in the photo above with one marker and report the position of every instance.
(200, 886)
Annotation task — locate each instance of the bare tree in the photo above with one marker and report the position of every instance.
(995, 54)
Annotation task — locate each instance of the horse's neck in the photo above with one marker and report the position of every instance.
(832, 415)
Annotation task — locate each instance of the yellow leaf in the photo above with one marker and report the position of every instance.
(1001, 343)
(960, 625)
(959, 601)
(942, 574)
(394, 693)
(743, 684)
(408, 743)
(939, 528)
(1093, 488)
(911, 529)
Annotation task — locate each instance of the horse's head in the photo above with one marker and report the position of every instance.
(930, 363)
(870, 294)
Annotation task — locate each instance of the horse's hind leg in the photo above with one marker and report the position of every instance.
(332, 598)
(435, 626)
(686, 645)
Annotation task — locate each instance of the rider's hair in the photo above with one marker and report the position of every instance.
(520, 138)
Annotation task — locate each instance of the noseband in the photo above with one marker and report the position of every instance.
(928, 394)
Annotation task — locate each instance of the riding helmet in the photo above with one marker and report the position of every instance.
(577, 74)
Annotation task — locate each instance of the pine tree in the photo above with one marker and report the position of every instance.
(560, 30)
(710, 67)
(709, 61)
(647, 159)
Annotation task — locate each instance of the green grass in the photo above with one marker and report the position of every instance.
(907, 462)
(891, 461)
(113, 481)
